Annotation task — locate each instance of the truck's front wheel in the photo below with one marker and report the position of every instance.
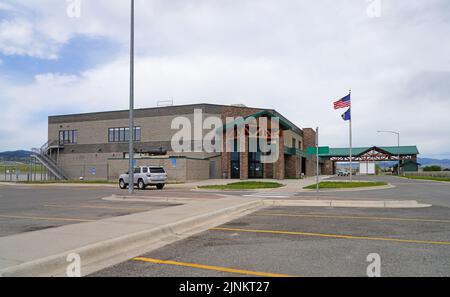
(141, 184)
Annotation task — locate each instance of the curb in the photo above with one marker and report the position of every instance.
(152, 199)
(113, 251)
(58, 185)
(387, 187)
(347, 203)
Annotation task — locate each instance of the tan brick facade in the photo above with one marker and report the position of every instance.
(94, 157)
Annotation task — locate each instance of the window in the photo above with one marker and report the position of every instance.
(255, 167)
(157, 170)
(137, 170)
(111, 135)
(123, 134)
(68, 137)
(294, 143)
(137, 133)
(145, 170)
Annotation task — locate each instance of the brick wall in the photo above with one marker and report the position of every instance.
(244, 166)
(293, 167)
(268, 170)
(309, 139)
(328, 168)
(232, 111)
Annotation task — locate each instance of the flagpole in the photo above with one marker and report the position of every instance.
(351, 142)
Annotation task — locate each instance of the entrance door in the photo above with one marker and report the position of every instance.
(255, 167)
(304, 166)
(235, 166)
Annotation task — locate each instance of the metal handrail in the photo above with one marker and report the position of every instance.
(41, 156)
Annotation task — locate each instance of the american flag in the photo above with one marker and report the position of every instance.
(343, 103)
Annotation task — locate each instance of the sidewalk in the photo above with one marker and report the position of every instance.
(290, 185)
(108, 242)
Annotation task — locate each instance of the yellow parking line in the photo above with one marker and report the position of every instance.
(352, 217)
(208, 267)
(94, 207)
(334, 236)
(46, 218)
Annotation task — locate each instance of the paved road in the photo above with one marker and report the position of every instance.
(302, 241)
(25, 209)
(430, 192)
(277, 241)
(307, 242)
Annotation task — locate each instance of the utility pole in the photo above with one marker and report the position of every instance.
(131, 119)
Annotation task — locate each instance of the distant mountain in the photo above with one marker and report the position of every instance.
(14, 155)
(428, 161)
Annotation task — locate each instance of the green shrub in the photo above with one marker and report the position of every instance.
(432, 168)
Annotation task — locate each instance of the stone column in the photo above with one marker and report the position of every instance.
(280, 164)
(293, 167)
(328, 168)
(268, 170)
(244, 162)
(309, 140)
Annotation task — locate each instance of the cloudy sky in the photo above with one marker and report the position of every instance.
(295, 56)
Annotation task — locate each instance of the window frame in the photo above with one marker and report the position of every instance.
(121, 135)
(68, 137)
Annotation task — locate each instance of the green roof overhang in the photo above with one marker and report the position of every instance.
(290, 151)
(284, 124)
(358, 151)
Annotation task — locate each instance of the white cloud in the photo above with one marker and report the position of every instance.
(18, 37)
(294, 56)
(6, 7)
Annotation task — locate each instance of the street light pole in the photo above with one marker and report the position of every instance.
(398, 147)
(131, 119)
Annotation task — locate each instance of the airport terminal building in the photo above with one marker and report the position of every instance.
(94, 146)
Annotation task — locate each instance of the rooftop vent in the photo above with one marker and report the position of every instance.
(165, 103)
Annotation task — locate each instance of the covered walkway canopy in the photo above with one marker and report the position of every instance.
(374, 154)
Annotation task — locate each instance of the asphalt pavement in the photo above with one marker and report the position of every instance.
(307, 242)
(428, 192)
(27, 209)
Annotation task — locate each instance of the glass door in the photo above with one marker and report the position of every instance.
(235, 166)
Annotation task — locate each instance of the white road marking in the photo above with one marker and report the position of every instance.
(269, 195)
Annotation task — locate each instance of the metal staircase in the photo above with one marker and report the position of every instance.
(42, 155)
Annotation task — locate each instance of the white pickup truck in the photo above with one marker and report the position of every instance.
(145, 176)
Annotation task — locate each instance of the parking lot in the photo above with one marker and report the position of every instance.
(307, 242)
(26, 209)
(277, 241)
